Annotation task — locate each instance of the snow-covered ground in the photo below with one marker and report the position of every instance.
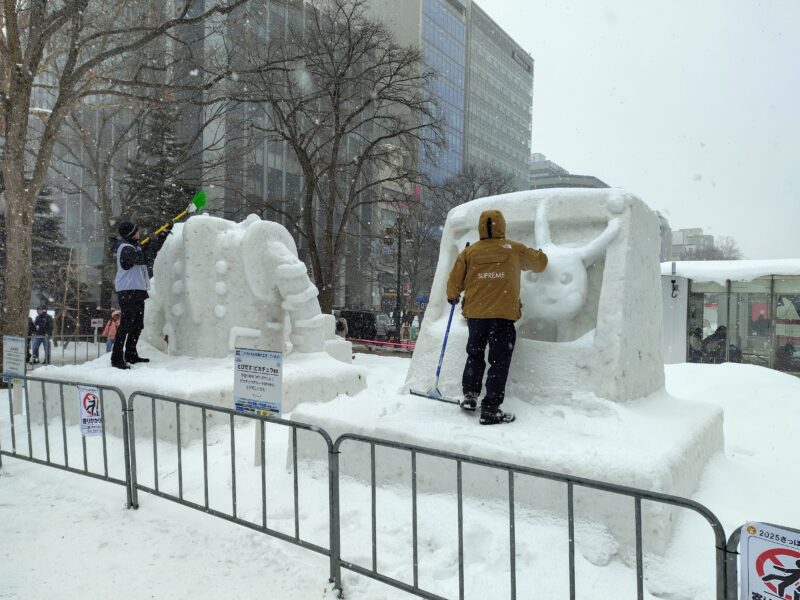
(66, 536)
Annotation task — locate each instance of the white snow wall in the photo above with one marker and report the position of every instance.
(592, 322)
(219, 284)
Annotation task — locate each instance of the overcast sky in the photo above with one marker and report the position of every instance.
(693, 106)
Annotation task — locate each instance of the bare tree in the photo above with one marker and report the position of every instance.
(474, 181)
(354, 109)
(426, 219)
(61, 52)
(724, 248)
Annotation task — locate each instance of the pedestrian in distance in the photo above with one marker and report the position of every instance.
(488, 274)
(131, 284)
(110, 330)
(381, 330)
(42, 331)
(713, 346)
(341, 327)
(29, 340)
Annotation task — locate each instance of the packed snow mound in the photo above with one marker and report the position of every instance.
(219, 284)
(306, 377)
(591, 322)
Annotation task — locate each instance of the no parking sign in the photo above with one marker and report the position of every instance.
(89, 406)
(770, 562)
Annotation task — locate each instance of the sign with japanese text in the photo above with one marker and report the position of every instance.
(257, 385)
(14, 355)
(770, 562)
(89, 407)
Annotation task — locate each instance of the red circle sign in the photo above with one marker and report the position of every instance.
(91, 404)
(783, 576)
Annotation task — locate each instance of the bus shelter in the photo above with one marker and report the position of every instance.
(733, 311)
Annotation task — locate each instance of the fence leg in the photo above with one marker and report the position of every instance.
(335, 529)
(130, 455)
(732, 565)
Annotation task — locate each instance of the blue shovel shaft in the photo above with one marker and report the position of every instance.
(444, 344)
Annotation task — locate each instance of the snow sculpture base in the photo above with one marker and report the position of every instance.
(659, 443)
(307, 377)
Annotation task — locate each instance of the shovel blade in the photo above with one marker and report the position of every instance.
(434, 394)
(199, 200)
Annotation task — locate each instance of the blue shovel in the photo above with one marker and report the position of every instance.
(434, 393)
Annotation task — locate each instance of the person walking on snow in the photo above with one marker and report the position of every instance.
(131, 284)
(42, 330)
(110, 330)
(488, 273)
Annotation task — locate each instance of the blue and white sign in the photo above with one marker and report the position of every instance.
(14, 355)
(257, 384)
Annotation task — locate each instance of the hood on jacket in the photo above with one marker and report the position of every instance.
(492, 224)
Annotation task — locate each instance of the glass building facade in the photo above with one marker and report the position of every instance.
(444, 49)
(499, 99)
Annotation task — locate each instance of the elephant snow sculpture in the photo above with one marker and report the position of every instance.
(219, 284)
(591, 322)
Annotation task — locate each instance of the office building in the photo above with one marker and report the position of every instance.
(547, 174)
(484, 85)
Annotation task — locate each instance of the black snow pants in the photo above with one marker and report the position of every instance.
(501, 336)
(131, 304)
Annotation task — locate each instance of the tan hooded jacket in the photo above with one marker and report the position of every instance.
(488, 271)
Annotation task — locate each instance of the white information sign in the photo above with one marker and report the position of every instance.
(89, 407)
(14, 355)
(257, 384)
(770, 562)
(97, 323)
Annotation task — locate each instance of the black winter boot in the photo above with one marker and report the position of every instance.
(470, 402)
(136, 359)
(497, 417)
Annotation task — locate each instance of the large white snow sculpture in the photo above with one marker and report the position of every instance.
(591, 322)
(219, 284)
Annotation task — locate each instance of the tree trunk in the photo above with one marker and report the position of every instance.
(108, 267)
(19, 213)
(19, 216)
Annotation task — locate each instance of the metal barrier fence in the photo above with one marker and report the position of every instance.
(70, 349)
(160, 407)
(33, 395)
(157, 402)
(723, 592)
(83, 348)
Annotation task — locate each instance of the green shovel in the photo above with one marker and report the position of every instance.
(198, 203)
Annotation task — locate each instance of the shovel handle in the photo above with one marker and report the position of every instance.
(164, 227)
(444, 344)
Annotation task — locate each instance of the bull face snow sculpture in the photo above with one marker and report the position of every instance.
(590, 322)
(219, 284)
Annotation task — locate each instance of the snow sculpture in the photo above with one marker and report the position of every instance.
(559, 293)
(591, 322)
(219, 284)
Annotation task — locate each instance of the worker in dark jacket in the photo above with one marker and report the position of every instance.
(488, 273)
(131, 283)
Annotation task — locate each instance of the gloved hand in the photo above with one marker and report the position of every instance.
(163, 235)
(453, 300)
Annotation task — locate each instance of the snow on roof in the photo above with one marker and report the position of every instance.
(719, 271)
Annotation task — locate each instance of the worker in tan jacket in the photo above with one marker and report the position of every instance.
(488, 274)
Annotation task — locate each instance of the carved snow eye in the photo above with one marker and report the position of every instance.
(566, 278)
